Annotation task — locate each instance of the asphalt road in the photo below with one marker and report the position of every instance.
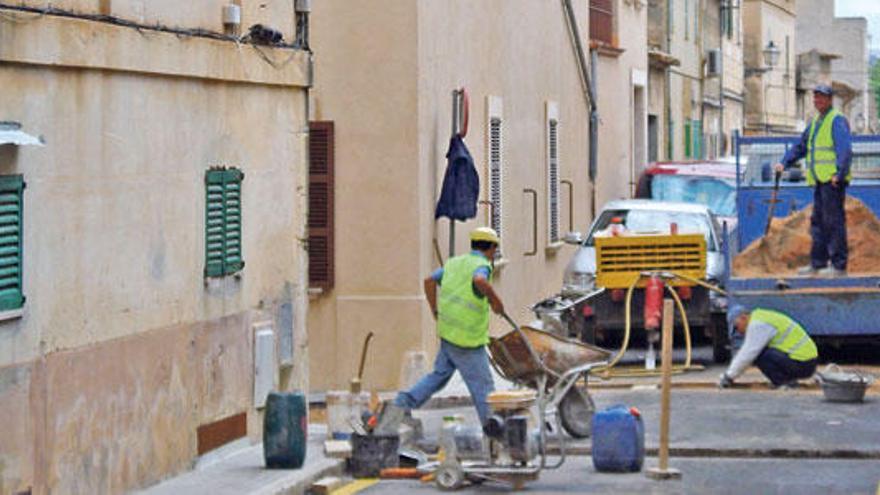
(699, 476)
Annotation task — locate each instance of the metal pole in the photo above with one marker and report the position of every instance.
(456, 117)
(662, 471)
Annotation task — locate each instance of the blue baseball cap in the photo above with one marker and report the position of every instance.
(733, 313)
(823, 89)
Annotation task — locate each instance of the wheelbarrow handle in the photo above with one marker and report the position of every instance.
(528, 344)
(510, 320)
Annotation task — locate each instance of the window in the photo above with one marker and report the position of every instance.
(321, 199)
(693, 139)
(602, 21)
(552, 173)
(727, 19)
(223, 254)
(11, 206)
(496, 168)
(687, 15)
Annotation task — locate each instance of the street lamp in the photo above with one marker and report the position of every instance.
(771, 58)
(771, 54)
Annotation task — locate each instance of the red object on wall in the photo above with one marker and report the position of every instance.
(653, 302)
(617, 295)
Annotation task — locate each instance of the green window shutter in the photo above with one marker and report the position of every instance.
(687, 138)
(11, 189)
(698, 139)
(223, 251)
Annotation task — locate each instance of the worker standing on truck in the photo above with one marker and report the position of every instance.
(827, 146)
(774, 342)
(462, 314)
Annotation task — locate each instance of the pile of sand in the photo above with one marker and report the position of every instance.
(787, 246)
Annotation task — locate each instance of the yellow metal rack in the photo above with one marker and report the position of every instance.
(620, 260)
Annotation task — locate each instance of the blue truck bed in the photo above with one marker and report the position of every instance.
(827, 307)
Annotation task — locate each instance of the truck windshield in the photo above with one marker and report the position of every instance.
(654, 222)
(719, 195)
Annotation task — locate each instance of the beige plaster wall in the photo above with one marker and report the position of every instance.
(123, 348)
(365, 81)
(385, 72)
(615, 75)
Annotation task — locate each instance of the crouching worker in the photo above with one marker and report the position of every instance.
(775, 343)
(462, 313)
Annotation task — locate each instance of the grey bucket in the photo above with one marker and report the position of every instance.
(843, 386)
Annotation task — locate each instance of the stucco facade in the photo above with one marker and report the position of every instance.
(770, 104)
(847, 39)
(385, 71)
(732, 78)
(622, 94)
(123, 348)
(696, 78)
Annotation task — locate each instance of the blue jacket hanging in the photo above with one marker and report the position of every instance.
(461, 184)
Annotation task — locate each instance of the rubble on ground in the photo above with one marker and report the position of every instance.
(787, 246)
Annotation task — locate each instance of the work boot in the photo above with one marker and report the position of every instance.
(832, 272)
(389, 419)
(808, 271)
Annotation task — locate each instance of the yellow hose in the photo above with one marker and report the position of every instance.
(687, 328)
(700, 282)
(605, 371)
(623, 345)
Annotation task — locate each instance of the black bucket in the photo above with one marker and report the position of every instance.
(372, 453)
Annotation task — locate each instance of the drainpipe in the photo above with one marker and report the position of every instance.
(589, 89)
(669, 130)
(302, 9)
(594, 132)
(724, 7)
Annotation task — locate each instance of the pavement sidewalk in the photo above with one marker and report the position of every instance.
(242, 471)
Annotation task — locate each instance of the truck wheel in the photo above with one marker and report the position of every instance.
(576, 413)
(720, 340)
(586, 329)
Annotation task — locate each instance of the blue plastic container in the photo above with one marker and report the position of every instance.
(618, 440)
(285, 430)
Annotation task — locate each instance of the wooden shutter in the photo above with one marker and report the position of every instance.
(11, 188)
(602, 21)
(321, 163)
(223, 246)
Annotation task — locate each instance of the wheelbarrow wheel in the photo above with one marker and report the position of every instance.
(449, 477)
(576, 413)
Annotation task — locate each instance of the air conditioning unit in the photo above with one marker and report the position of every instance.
(713, 63)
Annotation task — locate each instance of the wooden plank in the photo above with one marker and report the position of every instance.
(213, 435)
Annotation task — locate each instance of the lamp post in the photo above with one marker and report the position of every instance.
(771, 58)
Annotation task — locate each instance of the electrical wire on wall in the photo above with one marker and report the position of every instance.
(24, 14)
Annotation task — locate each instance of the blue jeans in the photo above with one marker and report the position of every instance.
(781, 369)
(828, 226)
(473, 364)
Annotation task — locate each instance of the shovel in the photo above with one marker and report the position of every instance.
(355, 385)
(773, 200)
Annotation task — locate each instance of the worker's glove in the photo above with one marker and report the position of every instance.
(725, 381)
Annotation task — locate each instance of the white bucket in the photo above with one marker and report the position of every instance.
(343, 410)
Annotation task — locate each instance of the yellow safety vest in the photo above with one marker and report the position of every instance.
(462, 316)
(790, 337)
(821, 157)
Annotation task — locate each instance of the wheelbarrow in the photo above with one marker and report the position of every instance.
(552, 365)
